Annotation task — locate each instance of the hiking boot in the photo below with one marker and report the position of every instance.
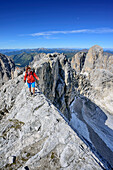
(34, 95)
(31, 94)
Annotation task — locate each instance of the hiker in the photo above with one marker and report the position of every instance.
(30, 79)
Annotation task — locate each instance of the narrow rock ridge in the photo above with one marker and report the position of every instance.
(35, 136)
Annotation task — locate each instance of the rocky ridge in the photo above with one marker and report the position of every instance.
(80, 92)
(33, 134)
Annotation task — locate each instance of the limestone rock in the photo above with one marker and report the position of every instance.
(102, 88)
(8, 95)
(32, 129)
(96, 79)
(93, 59)
(108, 62)
(83, 97)
(18, 71)
(77, 61)
(7, 68)
(93, 124)
(35, 133)
(56, 76)
(95, 82)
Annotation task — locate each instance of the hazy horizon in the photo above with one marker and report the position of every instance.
(50, 48)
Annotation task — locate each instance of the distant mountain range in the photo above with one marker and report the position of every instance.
(23, 57)
(39, 50)
(46, 50)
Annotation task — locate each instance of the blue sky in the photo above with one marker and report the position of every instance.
(56, 24)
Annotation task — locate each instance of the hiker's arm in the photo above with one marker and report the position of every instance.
(25, 76)
(36, 76)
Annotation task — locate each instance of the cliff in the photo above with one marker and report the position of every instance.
(82, 90)
(7, 68)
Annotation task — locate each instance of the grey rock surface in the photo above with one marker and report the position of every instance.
(94, 58)
(56, 74)
(7, 68)
(33, 134)
(77, 61)
(83, 94)
(93, 115)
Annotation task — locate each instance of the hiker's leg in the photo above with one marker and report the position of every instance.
(33, 86)
(30, 89)
(33, 90)
(29, 86)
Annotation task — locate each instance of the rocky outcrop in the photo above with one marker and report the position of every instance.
(18, 71)
(101, 92)
(96, 78)
(35, 136)
(94, 59)
(8, 95)
(95, 112)
(56, 79)
(77, 61)
(7, 68)
(82, 94)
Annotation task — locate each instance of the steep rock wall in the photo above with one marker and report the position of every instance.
(56, 79)
(7, 68)
(82, 95)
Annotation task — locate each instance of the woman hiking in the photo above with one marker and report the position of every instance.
(30, 79)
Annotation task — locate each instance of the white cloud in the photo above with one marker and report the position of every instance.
(49, 37)
(98, 31)
(40, 34)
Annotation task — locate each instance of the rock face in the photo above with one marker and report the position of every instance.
(56, 79)
(94, 58)
(81, 93)
(35, 136)
(7, 68)
(77, 61)
(95, 80)
(93, 115)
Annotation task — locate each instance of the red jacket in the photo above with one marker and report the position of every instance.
(30, 77)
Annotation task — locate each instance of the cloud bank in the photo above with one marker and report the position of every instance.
(96, 31)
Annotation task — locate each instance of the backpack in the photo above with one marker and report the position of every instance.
(33, 71)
